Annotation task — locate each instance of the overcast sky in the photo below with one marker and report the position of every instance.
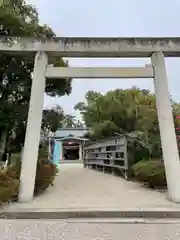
(115, 18)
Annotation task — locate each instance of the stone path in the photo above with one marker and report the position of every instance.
(82, 188)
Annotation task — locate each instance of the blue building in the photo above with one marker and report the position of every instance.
(68, 144)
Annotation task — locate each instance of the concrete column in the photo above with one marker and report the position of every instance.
(166, 125)
(32, 138)
(80, 152)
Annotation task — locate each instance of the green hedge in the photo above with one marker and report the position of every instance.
(151, 172)
(10, 178)
(8, 187)
(45, 174)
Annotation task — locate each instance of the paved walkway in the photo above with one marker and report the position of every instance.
(82, 188)
(68, 230)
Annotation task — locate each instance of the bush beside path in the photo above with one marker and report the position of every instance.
(10, 179)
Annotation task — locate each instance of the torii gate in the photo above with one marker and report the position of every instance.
(155, 48)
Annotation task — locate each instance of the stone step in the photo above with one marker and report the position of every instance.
(91, 213)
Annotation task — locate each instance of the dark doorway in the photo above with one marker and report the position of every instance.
(71, 154)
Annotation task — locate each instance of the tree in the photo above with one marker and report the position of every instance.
(20, 19)
(70, 121)
(52, 120)
(130, 111)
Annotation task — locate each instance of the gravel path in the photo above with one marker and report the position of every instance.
(77, 188)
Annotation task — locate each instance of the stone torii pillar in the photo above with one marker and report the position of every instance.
(166, 126)
(32, 138)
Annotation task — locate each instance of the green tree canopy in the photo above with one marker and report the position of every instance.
(130, 111)
(18, 18)
(52, 120)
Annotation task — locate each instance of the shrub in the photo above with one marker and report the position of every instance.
(42, 155)
(15, 158)
(150, 172)
(10, 177)
(45, 175)
(13, 171)
(8, 187)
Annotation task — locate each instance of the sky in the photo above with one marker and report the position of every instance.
(115, 18)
